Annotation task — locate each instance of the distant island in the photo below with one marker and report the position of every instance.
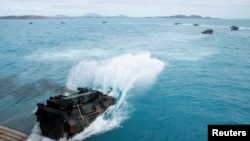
(25, 17)
(94, 15)
(187, 17)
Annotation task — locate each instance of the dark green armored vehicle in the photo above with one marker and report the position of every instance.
(68, 115)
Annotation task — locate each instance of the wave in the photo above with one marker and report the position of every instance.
(244, 28)
(122, 73)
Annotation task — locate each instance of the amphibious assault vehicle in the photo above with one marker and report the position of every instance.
(67, 115)
(234, 27)
(207, 31)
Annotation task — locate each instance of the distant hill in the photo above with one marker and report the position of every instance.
(188, 17)
(89, 15)
(95, 15)
(25, 17)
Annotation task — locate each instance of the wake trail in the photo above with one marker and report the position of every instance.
(121, 73)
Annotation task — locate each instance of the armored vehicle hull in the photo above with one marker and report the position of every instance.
(67, 115)
(234, 27)
(207, 31)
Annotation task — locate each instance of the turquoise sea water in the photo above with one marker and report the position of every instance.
(174, 81)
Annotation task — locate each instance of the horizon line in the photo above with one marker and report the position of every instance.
(95, 15)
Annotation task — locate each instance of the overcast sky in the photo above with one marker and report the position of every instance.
(232, 9)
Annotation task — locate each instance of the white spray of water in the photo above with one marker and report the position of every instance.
(121, 73)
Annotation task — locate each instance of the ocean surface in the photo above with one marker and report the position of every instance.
(170, 80)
